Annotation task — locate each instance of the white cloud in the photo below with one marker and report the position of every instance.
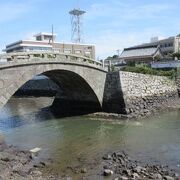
(121, 24)
(110, 41)
(128, 11)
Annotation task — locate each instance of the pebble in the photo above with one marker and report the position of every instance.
(135, 176)
(168, 178)
(36, 173)
(84, 170)
(123, 178)
(138, 169)
(108, 172)
(107, 157)
(157, 176)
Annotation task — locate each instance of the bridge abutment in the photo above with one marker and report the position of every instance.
(135, 93)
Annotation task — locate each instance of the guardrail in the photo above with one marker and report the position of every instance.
(11, 57)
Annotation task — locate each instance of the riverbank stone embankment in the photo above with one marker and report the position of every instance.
(178, 84)
(137, 94)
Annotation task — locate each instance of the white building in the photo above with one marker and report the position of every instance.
(47, 42)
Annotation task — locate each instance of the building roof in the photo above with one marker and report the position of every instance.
(138, 52)
(156, 43)
(44, 33)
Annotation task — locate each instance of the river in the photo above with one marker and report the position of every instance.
(77, 140)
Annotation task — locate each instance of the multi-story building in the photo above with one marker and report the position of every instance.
(47, 42)
(165, 49)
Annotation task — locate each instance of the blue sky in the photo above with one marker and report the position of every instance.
(109, 24)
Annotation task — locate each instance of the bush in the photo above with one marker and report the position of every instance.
(177, 55)
(147, 70)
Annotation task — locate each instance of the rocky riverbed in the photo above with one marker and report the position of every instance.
(164, 107)
(121, 167)
(18, 164)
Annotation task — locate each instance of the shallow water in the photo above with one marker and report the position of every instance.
(77, 140)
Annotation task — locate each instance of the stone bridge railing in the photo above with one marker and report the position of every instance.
(46, 55)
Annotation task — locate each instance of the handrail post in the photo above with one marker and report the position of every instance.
(31, 56)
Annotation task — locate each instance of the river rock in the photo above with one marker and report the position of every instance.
(135, 176)
(138, 169)
(168, 178)
(122, 178)
(157, 176)
(36, 173)
(108, 172)
(127, 172)
(131, 169)
(84, 170)
(35, 152)
(107, 157)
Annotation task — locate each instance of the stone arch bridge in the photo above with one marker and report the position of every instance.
(81, 79)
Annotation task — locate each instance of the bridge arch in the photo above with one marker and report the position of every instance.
(82, 84)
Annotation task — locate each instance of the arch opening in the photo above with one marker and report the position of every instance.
(75, 96)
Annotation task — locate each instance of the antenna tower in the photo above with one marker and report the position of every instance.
(76, 24)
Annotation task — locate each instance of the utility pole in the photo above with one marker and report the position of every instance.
(52, 35)
(118, 52)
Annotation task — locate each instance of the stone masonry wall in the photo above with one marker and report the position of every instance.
(144, 92)
(178, 80)
(113, 101)
(133, 93)
(178, 85)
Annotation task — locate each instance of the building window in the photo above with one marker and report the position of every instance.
(77, 51)
(87, 53)
(67, 51)
(38, 38)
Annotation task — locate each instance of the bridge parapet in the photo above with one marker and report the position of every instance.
(48, 56)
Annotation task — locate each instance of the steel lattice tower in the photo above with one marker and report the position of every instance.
(76, 25)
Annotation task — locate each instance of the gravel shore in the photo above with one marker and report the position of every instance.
(18, 164)
(121, 167)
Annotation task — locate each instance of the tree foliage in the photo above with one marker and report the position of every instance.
(176, 55)
(112, 57)
(147, 70)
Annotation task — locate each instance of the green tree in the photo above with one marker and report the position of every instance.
(176, 55)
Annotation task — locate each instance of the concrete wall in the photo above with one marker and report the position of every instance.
(137, 93)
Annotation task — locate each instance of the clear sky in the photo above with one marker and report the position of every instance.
(109, 24)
